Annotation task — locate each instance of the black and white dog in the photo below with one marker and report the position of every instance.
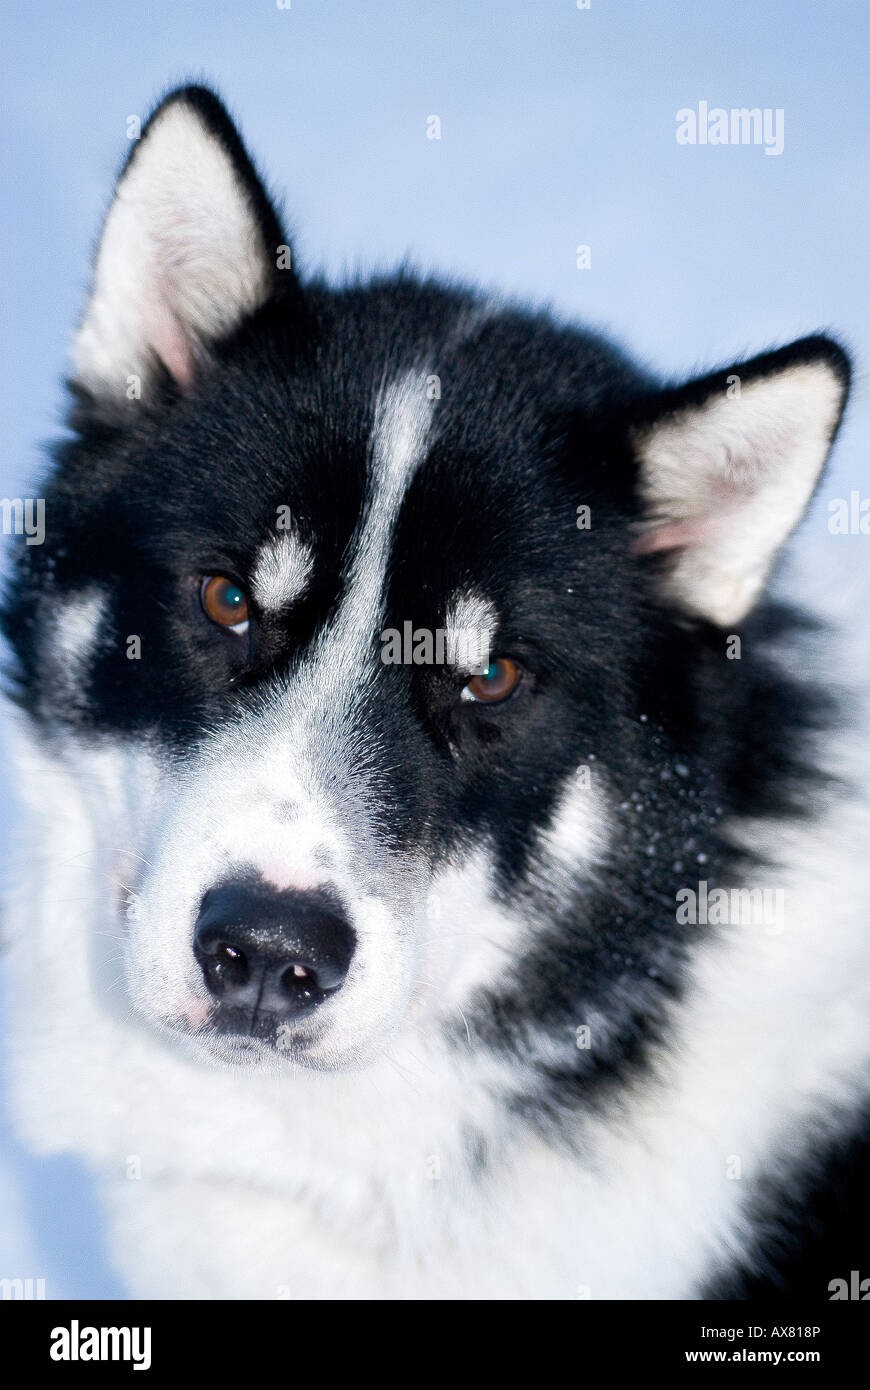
(434, 881)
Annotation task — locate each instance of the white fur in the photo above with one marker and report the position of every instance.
(72, 631)
(471, 623)
(282, 571)
(727, 481)
(576, 839)
(167, 278)
(403, 417)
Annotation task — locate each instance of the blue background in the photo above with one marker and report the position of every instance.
(558, 128)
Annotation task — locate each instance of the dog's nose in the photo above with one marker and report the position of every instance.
(279, 953)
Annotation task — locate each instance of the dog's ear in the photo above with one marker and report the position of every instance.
(190, 246)
(728, 465)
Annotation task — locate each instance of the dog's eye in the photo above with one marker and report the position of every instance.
(497, 682)
(224, 602)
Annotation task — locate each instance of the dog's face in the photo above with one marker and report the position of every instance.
(372, 625)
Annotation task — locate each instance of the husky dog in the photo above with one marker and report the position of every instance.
(534, 967)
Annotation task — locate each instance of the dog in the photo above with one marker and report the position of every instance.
(436, 877)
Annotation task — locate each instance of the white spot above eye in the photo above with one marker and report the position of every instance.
(282, 571)
(471, 622)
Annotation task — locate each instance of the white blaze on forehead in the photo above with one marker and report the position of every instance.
(403, 415)
(470, 622)
(282, 571)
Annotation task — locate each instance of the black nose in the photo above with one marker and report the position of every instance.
(269, 952)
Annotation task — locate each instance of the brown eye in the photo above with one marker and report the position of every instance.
(495, 683)
(224, 602)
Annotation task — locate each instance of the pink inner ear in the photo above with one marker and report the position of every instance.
(172, 345)
(672, 536)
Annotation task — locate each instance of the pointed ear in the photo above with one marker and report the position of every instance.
(189, 247)
(728, 465)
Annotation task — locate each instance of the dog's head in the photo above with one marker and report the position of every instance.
(378, 629)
